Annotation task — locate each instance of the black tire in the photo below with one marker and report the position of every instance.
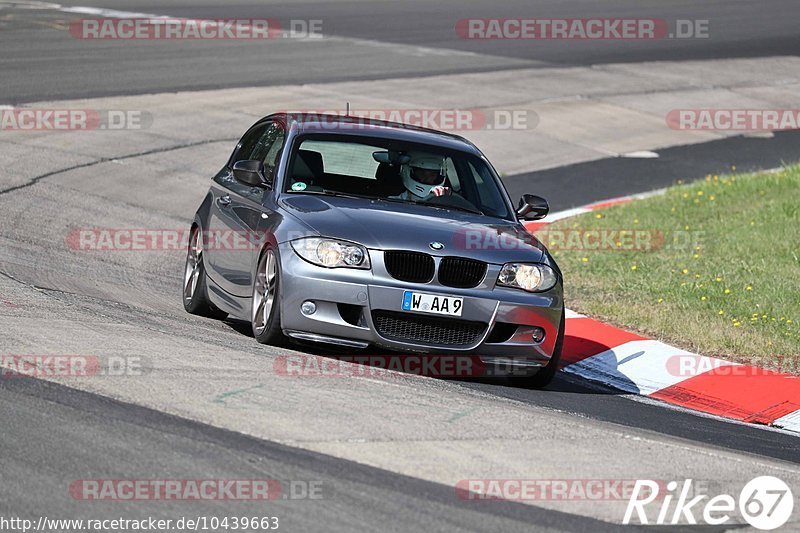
(267, 330)
(544, 376)
(195, 296)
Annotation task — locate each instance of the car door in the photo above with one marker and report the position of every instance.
(238, 221)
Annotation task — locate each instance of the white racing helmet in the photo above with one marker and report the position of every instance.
(422, 173)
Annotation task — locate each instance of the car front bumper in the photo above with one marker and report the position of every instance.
(353, 308)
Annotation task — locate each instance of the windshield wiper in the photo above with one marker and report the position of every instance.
(394, 200)
(457, 208)
(340, 194)
(437, 206)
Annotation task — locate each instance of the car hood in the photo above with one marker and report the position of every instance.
(384, 225)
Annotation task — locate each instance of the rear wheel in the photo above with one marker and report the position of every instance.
(195, 297)
(265, 312)
(544, 376)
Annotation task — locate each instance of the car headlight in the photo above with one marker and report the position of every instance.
(331, 253)
(529, 277)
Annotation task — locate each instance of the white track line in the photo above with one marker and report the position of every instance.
(790, 422)
(405, 49)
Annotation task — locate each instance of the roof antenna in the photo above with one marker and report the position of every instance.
(348, 110)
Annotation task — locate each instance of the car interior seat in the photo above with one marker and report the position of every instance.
(309, 169)
(388, 181)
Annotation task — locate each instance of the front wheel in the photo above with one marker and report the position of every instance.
(195, 298)
(544, 376)
(265, 312)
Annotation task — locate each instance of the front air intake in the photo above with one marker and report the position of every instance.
(413, 267)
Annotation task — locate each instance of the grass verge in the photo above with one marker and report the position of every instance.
(711, 266)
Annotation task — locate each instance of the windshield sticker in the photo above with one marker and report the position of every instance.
(299, 186)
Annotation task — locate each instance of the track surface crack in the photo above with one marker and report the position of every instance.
(36, 179)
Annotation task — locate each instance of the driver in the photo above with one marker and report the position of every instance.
(424, 177)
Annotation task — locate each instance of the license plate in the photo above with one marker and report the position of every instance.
(432, 303)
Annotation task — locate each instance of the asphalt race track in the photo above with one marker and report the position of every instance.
(374, 40)
(385, 452)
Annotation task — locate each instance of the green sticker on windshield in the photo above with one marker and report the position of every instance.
(299, 186)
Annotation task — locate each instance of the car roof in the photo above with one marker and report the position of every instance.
(366, 127)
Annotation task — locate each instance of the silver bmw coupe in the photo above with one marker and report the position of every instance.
(362, 233)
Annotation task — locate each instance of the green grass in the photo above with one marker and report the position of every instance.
(733, 292)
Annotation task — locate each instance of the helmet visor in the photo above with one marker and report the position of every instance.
(426, 175)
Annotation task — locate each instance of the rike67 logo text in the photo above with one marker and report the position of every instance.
(765, 503)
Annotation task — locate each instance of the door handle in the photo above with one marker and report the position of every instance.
(224, 200)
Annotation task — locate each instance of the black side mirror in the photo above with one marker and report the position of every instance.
(532, 207)
(250, 172)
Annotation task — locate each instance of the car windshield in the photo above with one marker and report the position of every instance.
(397, 172)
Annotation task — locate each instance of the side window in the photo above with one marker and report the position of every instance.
(262, 143)
(248, 143)
(490, 198)
(268, 149)
(452, 175)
